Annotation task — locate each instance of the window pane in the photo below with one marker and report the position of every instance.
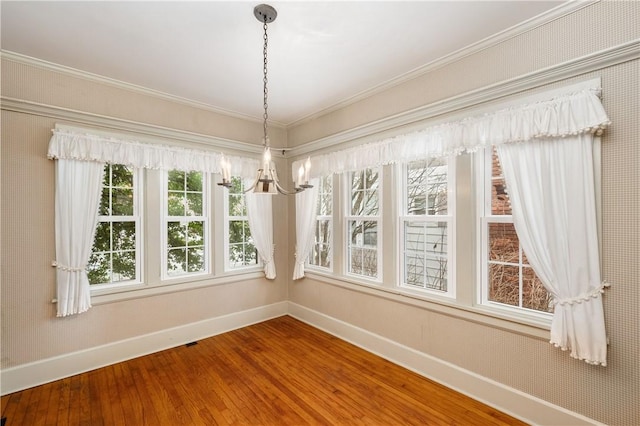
(417, 174)
(236, 205)
(175, 181)
(195, 259)
(236, 254)
(416, 201)
(250, 254)
(426, 254)
(325, 196)
(356, 233)
(102, 240)
(124, 236)
(122, 202)
(236, 231)
(99, 268)
(504, 284)
(320, 251)
(121, 176)
(194, 204)
(356, 261)
(370, 207)
(124, 266)
(195, 233)
(176, 261)
(176, 204)
(370, 233)
(426, 187)
(503, 243)
(357, 202)
(500, 202)
(176, 235)
(194, 182)
(113, 257)
(534, 295)
(371, 179)
(414, 269)
(105, 201)
(322, 231)
(370, 262)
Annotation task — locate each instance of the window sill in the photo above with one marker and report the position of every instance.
(137, 291)
(536, 328)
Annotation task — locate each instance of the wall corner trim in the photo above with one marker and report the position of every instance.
(516, 403)
(47, 370)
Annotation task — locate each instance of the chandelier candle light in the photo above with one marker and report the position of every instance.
(267, 181)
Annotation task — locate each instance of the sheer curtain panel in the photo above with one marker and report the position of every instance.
(306, 206)
(80, 156)
(260, 216)
(552, 190)
(77, 200)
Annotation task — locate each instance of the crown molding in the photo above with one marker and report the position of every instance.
(486, 43)
(144, 132)
(375, 130)
(96, 78)
(542, 19)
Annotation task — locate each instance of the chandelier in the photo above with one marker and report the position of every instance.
(267, 181)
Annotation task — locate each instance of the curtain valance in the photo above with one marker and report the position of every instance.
(568, 114)
(71, 145)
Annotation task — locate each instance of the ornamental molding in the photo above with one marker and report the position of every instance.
(144, 132)
(369, 132)
(414, 119)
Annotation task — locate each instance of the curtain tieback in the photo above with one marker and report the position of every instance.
(67, 268)
(585, 297)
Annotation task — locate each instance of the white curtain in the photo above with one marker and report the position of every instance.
(78, 145)
(77, 200)
(306, 207)
(561, 114)
(260, 216)
(552, 191)
(81, 156)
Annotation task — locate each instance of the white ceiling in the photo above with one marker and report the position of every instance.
(320, 53)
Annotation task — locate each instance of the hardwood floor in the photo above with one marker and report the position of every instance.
(279, 372)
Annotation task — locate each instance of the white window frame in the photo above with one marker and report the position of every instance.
(485, 218)
(428, 217)
(323, 218)
(226, 220)
(348, 218)
(136, 218)
(205, 218)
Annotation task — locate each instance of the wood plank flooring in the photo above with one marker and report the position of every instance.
(279, 372)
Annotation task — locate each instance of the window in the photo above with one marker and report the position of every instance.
(186, 224)
(240, 249)
(425, 225)
(507, 281)
(363, 221)
(320, 255)
(115, 255)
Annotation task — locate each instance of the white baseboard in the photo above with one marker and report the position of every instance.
(516, 403)
(55, 368)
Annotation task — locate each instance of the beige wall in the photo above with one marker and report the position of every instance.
(30, 329)
(31, 332)
(608, 394)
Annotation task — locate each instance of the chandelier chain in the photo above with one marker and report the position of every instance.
(265, 116)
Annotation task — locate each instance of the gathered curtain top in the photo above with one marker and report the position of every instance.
(569, 114)
(67, 144)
